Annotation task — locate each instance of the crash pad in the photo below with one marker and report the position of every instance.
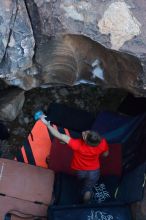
(61, 157)
(37, 145)
(115, 190)
(89, 212)
(68, 117)
(24, 187)
(131, 188)
(67, 190)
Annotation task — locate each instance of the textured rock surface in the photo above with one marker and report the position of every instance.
(74, 59)
(119, 22)
(11, 103)
(66, 34)
(89, 17)
(17, 41)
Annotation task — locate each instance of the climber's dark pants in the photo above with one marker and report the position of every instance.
(87, 178)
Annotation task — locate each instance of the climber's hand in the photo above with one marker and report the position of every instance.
(43, 118)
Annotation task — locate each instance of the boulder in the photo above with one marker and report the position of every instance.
(16, 42)
(11, 103)
(96, 42)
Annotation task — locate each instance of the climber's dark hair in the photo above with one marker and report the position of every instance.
(93, 138)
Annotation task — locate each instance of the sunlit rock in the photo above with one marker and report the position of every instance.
(119, 22)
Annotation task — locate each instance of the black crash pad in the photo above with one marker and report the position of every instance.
(71, 118)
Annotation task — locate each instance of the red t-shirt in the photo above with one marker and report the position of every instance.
(86, 157)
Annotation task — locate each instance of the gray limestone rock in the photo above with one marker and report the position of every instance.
(96, 42)
(11, 103)
(76, 28)
(16, 42)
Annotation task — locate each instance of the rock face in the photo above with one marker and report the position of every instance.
(98, 42)
(16, 42)
(76, 59)
(120, 23)
(12, 101)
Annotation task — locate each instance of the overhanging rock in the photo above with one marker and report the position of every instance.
(98, 42)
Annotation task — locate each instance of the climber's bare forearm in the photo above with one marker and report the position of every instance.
(65, 138)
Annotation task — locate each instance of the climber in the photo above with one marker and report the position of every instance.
(85, 162)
